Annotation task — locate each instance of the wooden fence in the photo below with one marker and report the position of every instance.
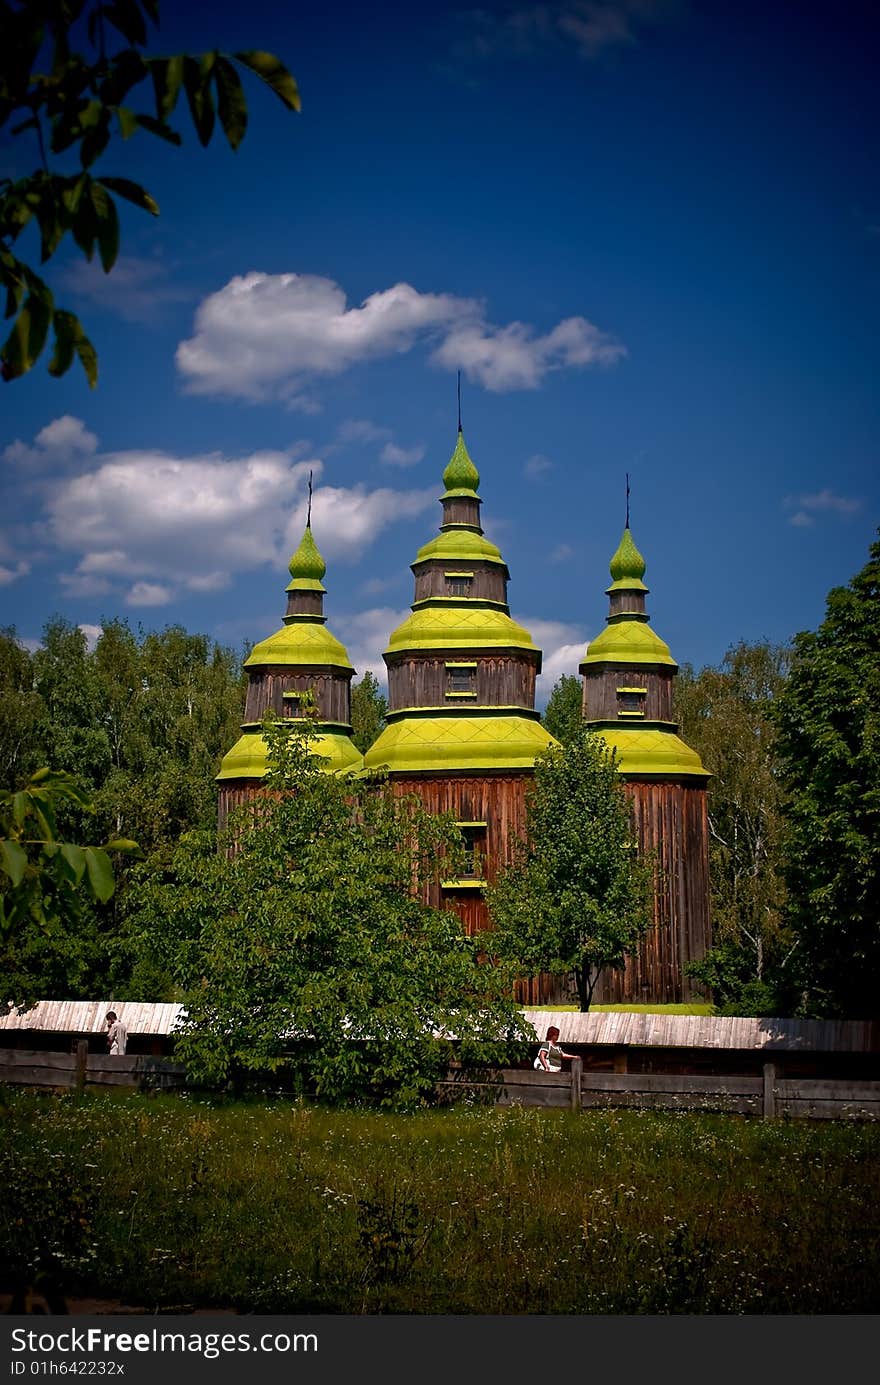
(767, 1095)
(80, 1070)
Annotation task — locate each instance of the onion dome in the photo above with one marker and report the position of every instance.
(301, 658)
(307, 567)
(460, 476)
(627, 566)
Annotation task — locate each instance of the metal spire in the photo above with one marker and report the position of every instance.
(459, 401)
(627, 499)
(309, 514)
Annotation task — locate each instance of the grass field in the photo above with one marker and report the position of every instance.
(159, 1201)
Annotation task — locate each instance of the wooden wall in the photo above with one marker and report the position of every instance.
(489, 581)
(331, 687)
(600, 694)
(502, 680)
(672, 823)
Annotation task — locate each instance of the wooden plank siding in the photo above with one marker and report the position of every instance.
(672, 824)
(488, 582)
(502, 680)
(331, 688)
(600, 693)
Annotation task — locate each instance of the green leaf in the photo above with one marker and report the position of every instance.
(198, 94)
(231, 102)
(128, 121)
(132, 192)
(274, 74)
(100, 873)
(66, 326)
(27, 338)
(158, 127)
(107, 222)
(13, 859)
(76, 859)
(167, 75)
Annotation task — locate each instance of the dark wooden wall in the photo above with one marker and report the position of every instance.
(489, 582)
(331, 688)
(502, 680)
(672, 823)
(600, 694)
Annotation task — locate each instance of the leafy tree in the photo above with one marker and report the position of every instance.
(563, 715)
(576, 897)
(77, 101)
(306, 948)
(44, 884)
(369, 709)
(725, 714)
(828, 722)
(22, 713)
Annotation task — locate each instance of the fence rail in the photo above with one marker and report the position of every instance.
(767, 1095)
(80, 1070)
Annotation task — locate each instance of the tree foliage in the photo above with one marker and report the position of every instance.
(828, 724)
(44, 881)
(576, 896)
(369, 709)
(74, 101)
(304, 944)
(725, 714)
(563, 715)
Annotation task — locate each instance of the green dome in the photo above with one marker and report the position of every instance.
(307, 567)
(300, 642)
(247, 758)
(627, 566)
(628, 642)
(648, 750)
(460, 473)
(460, 546)
(417, 745)
(459, 627)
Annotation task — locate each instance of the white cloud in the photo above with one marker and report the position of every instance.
(262, 335)
(561, 553)
(592, 27)
(514, 358)
(393, 455)
(536, 465)
(13, 574)
(362, 430)
(138, 290)
(365, 634)
(61, 442)
(563, 647)
(157, 524)
(149, 594)
(806, 507)
(92, 633)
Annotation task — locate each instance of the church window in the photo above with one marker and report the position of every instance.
(458, 583)
(631, 702)
(461, 680)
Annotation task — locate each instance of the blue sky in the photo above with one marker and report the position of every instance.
(647, 233)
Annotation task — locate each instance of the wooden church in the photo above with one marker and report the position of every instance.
(462, 730)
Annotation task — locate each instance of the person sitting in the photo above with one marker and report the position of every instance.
(550, 1055)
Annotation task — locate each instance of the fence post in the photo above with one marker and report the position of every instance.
(577, 1068)
(82, 1058)
(769, 1091)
